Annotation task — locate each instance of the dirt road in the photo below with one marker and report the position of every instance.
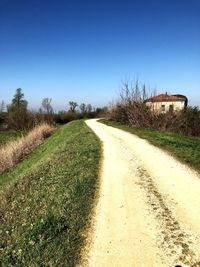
(148, 212)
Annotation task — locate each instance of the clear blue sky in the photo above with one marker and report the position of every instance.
(80, 50)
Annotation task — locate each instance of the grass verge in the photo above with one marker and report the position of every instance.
(184, 148)
(46, 200)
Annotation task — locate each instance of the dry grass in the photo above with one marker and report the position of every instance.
(15, 151)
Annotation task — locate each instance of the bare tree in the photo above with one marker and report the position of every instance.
(82, 107)
(46, 106)
(89, 108)
(72, 106)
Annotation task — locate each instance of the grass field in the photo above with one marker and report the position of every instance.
(5, 137)
(186, 149)
(45, 201)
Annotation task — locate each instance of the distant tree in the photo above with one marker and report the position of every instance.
(72, 106)
(89, 108)
(101, 112)
(18, 103)
(46, 106)
(2, 106)
(17, 111)
(2, 109)
(144, 93)
(82, 107)
(47, 110)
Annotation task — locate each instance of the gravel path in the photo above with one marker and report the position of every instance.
(148, 211)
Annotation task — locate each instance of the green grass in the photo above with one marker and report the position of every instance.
(46, 200)
(186, 149)
(8, 136)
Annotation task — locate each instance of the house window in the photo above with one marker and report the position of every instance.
(171, 108)
(163, 107)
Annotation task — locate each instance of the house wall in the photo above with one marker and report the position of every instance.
(157, 106)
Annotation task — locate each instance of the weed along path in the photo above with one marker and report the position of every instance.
(148, 211)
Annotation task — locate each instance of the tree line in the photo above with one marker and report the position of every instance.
(17, 116)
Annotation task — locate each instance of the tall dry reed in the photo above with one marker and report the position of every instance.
(15, 151)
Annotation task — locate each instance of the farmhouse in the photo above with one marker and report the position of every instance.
(167, 103)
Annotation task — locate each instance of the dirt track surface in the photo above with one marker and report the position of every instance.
(148, 211)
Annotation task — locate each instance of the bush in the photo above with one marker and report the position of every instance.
(65, 116)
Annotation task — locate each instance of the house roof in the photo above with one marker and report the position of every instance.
(166, 97)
